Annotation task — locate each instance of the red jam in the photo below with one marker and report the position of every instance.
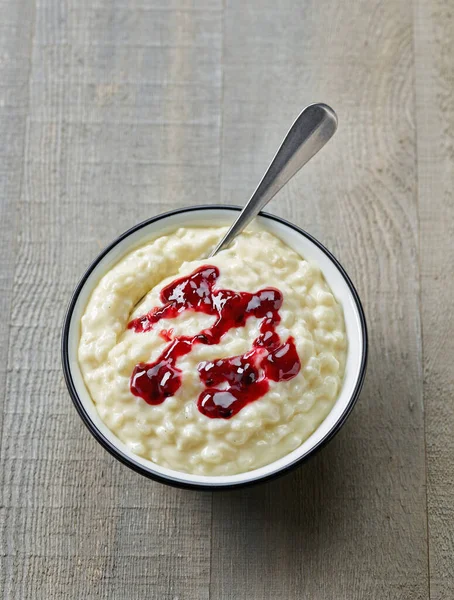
(230, 383)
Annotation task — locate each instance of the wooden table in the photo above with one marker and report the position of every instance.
(112, 111)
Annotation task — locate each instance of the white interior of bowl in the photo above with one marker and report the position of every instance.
(302, 245)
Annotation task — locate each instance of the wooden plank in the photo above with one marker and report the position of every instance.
(15, 43)
(352, 523)
(434, 40)
(16, 30)
(76, 523)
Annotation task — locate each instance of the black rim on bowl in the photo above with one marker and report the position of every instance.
(123, 458)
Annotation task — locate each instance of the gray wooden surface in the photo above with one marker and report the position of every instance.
(112, 111)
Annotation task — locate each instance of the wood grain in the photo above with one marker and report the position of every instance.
(16, 30)
(15, 43)
(352, 523)
(434, 41)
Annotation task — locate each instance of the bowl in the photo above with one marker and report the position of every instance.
(216, 215)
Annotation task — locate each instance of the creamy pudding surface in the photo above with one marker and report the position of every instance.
(213, 366)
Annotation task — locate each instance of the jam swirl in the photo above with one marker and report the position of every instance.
(230, 383)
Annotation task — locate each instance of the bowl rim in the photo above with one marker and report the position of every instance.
(115, 451)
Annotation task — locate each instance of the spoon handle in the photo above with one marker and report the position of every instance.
(308, 134)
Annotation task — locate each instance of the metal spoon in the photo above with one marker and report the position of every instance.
(308, 134)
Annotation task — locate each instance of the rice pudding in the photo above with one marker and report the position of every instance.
(213, 366)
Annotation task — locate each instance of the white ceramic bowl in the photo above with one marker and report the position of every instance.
(217, 215)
